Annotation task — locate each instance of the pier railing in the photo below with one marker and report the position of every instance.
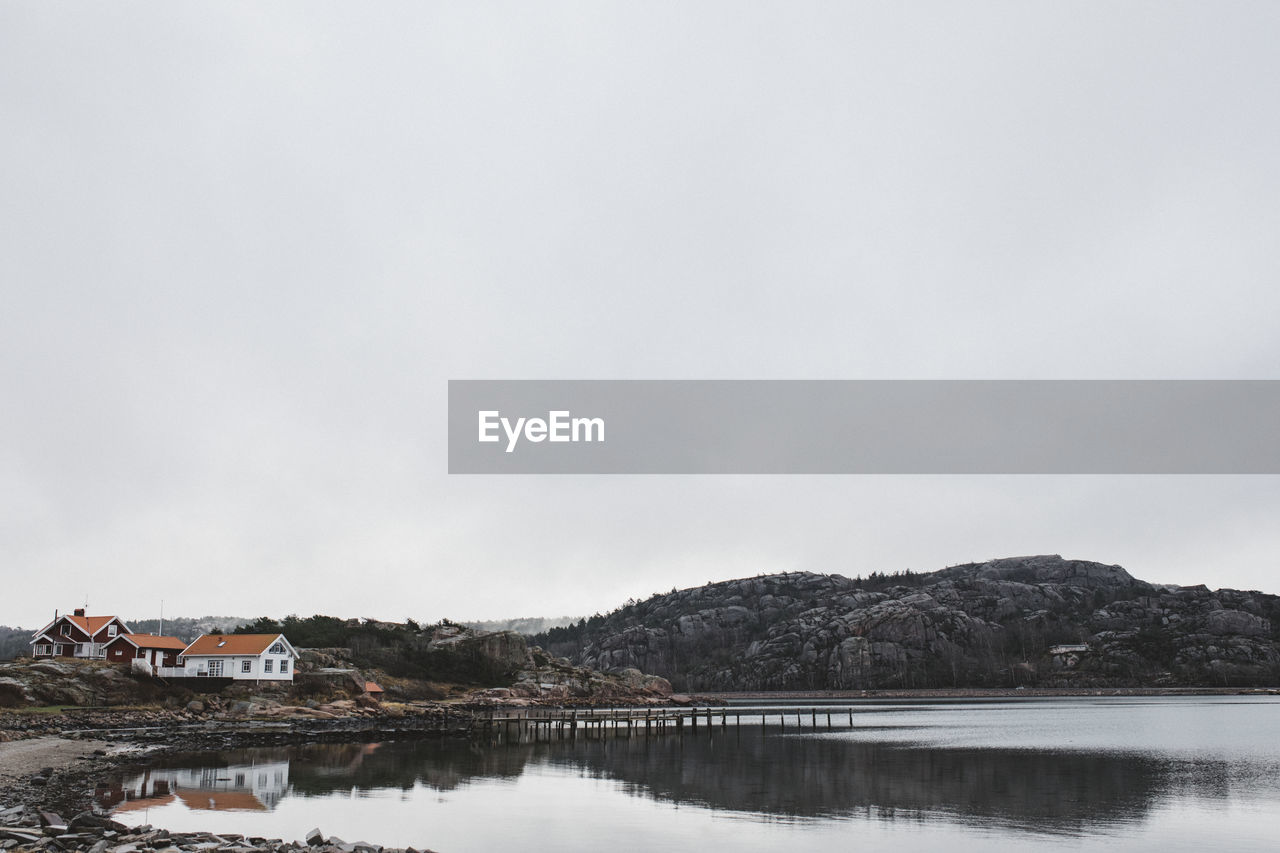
(567, 722)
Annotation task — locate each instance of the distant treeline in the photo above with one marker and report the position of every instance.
(14, 642)
(527, 626)
(185, 627)
(313, 632)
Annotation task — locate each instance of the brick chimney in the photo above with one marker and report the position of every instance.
(79, 611)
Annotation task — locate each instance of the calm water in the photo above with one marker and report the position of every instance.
(1184, 773)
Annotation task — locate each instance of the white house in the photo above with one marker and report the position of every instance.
(235, 787)
(244, 657)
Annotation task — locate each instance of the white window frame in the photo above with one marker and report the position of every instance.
(246, 666)
(267, 666)
(284, 665)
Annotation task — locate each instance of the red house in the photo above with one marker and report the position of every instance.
(156, 650)
(77, 636)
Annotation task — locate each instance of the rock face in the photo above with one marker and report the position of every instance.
(51, 682)
(1023, 620)
(557, 680)
(483, 657)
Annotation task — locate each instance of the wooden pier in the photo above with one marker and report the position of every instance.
(551, 723)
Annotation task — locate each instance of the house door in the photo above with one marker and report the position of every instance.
(215, 669)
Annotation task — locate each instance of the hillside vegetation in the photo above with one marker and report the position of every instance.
(451, 653)
(443, 652)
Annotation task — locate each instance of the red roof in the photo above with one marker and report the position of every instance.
(153, 641)
(231, 644)
(372, 687)
(89, 624)
(221, 801)
(143, 804)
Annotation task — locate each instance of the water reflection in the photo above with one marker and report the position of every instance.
(255, 783)
(793, 777)
(806, 777)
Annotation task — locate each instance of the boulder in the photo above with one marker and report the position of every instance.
(1223, 622)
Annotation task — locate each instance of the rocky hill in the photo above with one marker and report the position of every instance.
(1039, 620)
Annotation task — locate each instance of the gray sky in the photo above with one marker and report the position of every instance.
(246, 245)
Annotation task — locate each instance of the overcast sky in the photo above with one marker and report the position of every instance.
(246, 245)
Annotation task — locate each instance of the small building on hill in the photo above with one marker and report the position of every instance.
(155, 649)
(241, 657)
(76, 635)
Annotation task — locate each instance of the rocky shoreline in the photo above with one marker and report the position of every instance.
(91, 720)
(24, 829)
(49, 765)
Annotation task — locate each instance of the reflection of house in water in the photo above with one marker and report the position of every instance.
(235, 787)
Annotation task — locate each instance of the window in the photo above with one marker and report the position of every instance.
(112, 629)
(284, 665)
(215, 669)
(246, 666)
(277, 649)
(266, 665)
